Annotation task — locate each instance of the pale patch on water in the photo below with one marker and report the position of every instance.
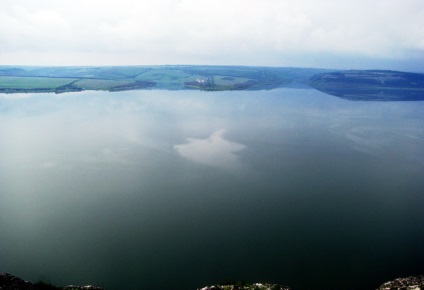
(48, 164)
(213, 151)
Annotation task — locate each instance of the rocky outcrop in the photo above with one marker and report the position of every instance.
(242, 286)
(409, 283)
(88, 287)
(10, 282)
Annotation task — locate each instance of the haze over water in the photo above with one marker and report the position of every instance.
(183, 189)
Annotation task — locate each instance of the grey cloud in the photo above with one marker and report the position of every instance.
(262, 32)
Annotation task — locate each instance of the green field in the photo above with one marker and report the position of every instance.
(167, 78)
(100, 84)
(13, 82)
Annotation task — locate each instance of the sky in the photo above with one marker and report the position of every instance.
(343, 34)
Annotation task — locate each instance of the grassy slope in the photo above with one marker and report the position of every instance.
(371, 85)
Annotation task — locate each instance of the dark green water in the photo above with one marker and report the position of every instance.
(183, 189)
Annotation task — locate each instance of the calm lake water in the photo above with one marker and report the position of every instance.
(183, 189)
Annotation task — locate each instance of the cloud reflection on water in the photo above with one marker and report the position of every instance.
(213, 151)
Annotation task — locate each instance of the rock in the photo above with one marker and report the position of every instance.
(10, 282)
(88, 287)
(408, 283)
(243, 286)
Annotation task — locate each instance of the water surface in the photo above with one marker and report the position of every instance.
(182, 189)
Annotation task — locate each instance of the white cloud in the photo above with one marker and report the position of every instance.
(197, 31)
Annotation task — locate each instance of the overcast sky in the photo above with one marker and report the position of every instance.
(306, 33)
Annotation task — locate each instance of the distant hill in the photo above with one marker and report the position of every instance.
(170, 77)
(371, 85)
(364, 85)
